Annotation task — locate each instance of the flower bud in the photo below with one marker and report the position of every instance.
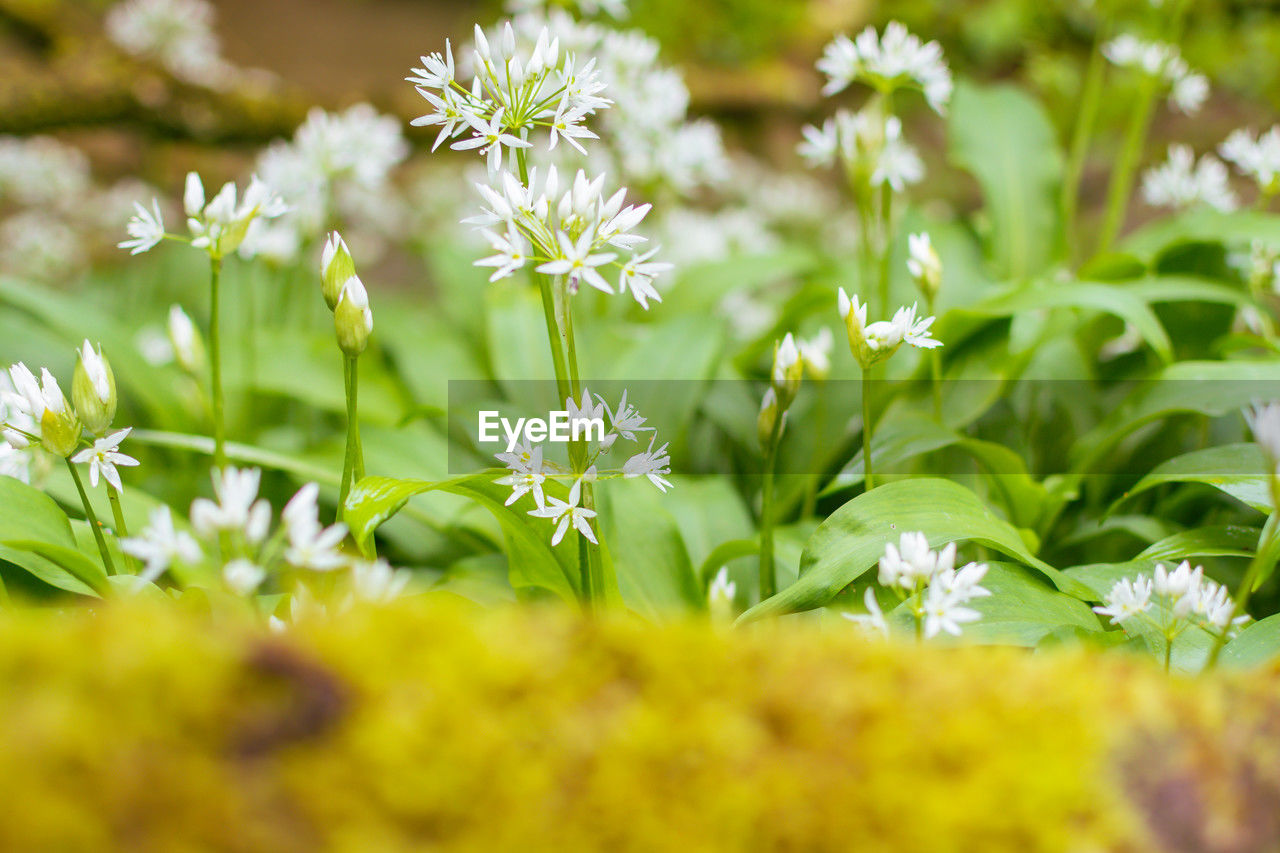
(869, 344)
(188, 347)
(59, 428)
(924, 265)
(93, 390)
(336, 266)
(720, 597)
(787, 370)
(772, 416)
(352, 319)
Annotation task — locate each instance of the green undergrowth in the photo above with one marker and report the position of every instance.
(431, 725)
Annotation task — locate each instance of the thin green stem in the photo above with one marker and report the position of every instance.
(1168, 653)
(886, 247)
(1082, 135)
(107, 562)
(117, 512)
(869, 482)
(935, 368)
(352, 463)
(1131, 151)
(768, 577)
(215, 366)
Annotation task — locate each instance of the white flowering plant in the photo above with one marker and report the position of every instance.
(1062, 343)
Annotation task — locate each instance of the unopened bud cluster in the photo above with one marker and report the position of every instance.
(346, 297)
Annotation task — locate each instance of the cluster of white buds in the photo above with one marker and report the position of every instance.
(573, 234)
(1160, 61)
(530, 470)
(346, 297)
(895, 60)
(784, 385)
(231, 536)
(1257, 157)
(1182, 182)
(1173, 601)
(936, 591)
(869, 147)
(924, 265)
(36, 414)
(875, 342)
(218, 226)
(720, 596)
(512, 93)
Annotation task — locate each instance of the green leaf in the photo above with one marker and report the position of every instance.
(45, 570)
(1230, 540)
(32, 522)
(1203, 224)
(852, 540)
(1003, 137)
(650, 559)
(1238, 470)
(85, 569)
(1256, 645)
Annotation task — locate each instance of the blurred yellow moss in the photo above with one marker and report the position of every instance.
(431, 725)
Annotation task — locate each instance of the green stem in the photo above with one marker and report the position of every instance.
(935, 369)
(1082, 135)
(1122, 176)
(215, 366)
(768, 577)
(869, 482)
(117, 512)
(886, 247)
(1263, 560)
(352, 463)
(107, 562)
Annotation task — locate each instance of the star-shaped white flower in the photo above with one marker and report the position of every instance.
(568, 513)
(103, 458)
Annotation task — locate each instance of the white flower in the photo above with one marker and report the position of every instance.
(912, 562)
(945, 611)
(625, 420)
(489, 138)
(103, 458)
(873, 620)
(1264, 422)
(512, 253)
(576, 260)
(962, 583)
(311, 545)
(237, 509)
(96, 369)
(161, 545)
(376, 581)
(898, 163)
(886, 62)
(177, 33)
(1127, 599)
(652, 464)
(220, 226)
(924, 264)
(243, 576)
(874, 342)
(815, 352)
(185, 340)
(14, 463)
(1257, 158)
(720, 596)
(1181, 584)
(528, 473)
(1188, 90)
(637, 276)
(1182, 182)
(568, 513)
(820, 144)
(915, 330)
(145, 229)
(42, 172)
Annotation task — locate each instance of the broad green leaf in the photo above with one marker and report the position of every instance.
(852, 539)
(1204, 224)
(1003, 137)
(31, 521)
(1238, 470)
(85, 569)
(1256, 645)
(1229, 540)
(650, 559)
(45, 570)
(724, 554)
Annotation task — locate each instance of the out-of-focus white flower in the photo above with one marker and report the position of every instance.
(924, 264)
(1257, 158)
(945, 611)
(176, 33)
(868, 145)
(237, 509)
(39, 413)
(585, 8)
(1264, 422)
(896, 59)
(1188, 90)
(220, 226)
(311, 545)
(720, 596)
(40, 171)
(161, 545)
(912, 562)
(873, 621)
(928, 580)
(1182, 182)
(376, 582)
(1127, 599)
(243, 576)
(145, 229)
(652, 464)
(566, 514)
(815, 352)
(35, 244)
(103, 458)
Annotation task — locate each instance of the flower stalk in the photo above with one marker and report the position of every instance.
(215, 365)
(1122, 177)
(92, 517)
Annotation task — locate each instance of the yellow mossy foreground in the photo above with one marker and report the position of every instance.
(432, 725)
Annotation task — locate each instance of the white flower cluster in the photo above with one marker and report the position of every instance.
(178, 34)
(1188, 89)
(1180, 598)
(571, 234)
(40, 171)
(233, 538)
(512, 93)
(13, 461)
(530, 470)
(867, 144)
(647, 136)
(792, 358)
(1255, 157)
(886, 62)
(1182, 182)
(936, 591)
(872, 343)
(218, 226)
(336, 168)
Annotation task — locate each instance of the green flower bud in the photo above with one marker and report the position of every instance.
(352, 319)
(772, 416)
(788, 368)
(60, 431)
(336, 267)
(93, 390)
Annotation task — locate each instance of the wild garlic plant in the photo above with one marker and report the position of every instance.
(868, 145)
(564, 236)
(217, 227)
(872, 343)
(36, 416)
(934, 590)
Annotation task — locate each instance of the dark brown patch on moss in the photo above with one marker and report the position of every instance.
(289, 698)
